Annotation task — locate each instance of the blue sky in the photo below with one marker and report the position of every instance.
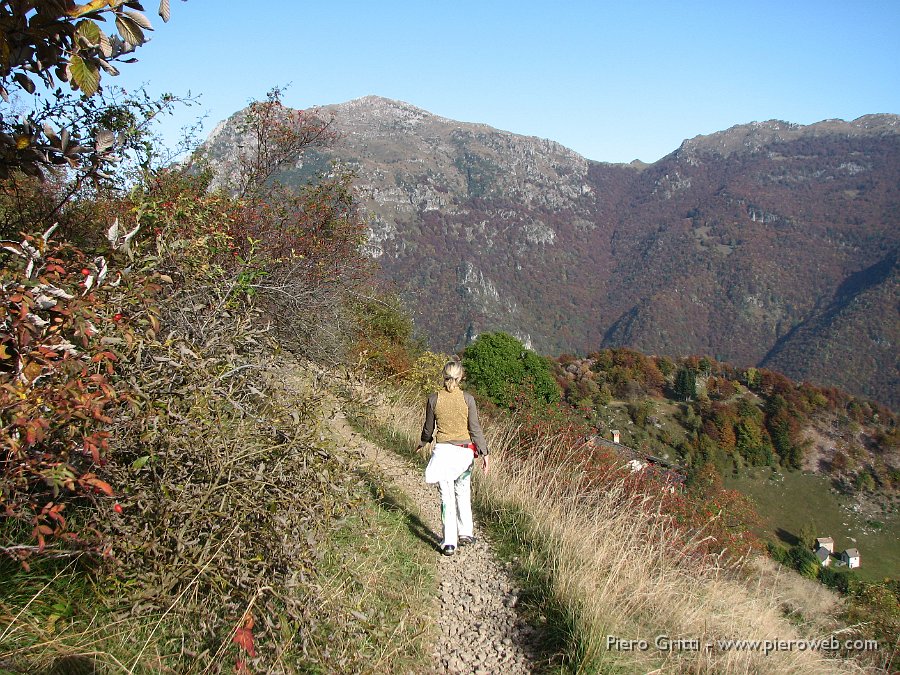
(614, 81)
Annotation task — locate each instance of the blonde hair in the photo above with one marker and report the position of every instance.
(453, 374)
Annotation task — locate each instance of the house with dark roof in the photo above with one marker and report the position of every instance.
(851, 558)
(824, 556)
(824, 542)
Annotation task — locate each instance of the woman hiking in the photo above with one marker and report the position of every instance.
(451, 419)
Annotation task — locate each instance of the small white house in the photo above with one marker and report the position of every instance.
(615, 435)
(851, 558)
(824, 556)
(825, 542)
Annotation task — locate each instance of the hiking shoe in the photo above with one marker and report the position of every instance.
(466, 541)
(448, 550)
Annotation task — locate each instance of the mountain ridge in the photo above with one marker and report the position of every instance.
(780, 130)
(726, 246)
(755, 135)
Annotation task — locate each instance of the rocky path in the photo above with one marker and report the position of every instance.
(479, 627)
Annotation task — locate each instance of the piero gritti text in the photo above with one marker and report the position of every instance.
(667, 643)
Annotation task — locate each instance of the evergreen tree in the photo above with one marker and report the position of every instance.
(808, 534)
(686, 384)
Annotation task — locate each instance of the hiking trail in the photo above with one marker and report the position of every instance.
(479, 628)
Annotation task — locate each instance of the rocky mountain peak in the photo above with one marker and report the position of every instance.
(376, 110)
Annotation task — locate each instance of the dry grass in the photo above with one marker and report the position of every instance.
(625, 572)
(228, 522)
(375, 571)
(244, 528)
(806, 600)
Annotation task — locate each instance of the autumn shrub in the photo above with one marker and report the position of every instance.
(426, 374)
(31, 205)
(66, 318)
(70, 319)
(149, 411)
(385, 342)
(621, 365)
(72, 316)
(305, 251)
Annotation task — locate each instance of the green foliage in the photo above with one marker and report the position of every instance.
(426, 374)
(630, 374)
(583, 392)
(689, 418)
(706, 481)
(666, 365)
(838, 578)
(385, 316)
(705, 365)
(62, 43)
(640, 412)
(810, 569)
(750, 443)
(728, 427)
(500, 367)
(752, 378)
(808, 534)
(710, 453)
(864, 482)
(778, 553)
(602, 397)
(686, 384)
(804, 561)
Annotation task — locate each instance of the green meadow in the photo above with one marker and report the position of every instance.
(788, 501)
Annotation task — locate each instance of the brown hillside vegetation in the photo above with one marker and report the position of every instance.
(167, 505)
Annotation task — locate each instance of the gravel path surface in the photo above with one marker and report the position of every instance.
(479, 629)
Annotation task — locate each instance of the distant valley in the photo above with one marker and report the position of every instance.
(769, 244)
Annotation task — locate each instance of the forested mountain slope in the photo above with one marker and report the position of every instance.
(751, 245)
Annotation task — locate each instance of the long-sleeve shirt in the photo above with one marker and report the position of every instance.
(452, 417)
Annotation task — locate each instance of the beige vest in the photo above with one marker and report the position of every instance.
(451, 416)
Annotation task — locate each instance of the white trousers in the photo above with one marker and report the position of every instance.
(456, 508)
(451, 468)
